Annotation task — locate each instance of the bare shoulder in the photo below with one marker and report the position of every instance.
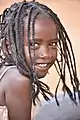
(17, 84)
(16, 80)
(18, 96)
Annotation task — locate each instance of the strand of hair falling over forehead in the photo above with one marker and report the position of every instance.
(12, 28)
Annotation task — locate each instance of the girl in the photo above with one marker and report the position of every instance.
(31, 37)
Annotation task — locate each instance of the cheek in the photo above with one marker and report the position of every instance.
(27, 55)
(54, 54)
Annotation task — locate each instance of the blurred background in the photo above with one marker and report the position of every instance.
(69, 14)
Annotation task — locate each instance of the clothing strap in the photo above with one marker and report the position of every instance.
(5, 70)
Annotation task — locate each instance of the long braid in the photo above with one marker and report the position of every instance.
(57, 21)
(72, 66)
(37, 85)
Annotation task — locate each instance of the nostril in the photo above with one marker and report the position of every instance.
(44, 55)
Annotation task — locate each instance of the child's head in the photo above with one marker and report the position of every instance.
(43, 47)
(31, 36)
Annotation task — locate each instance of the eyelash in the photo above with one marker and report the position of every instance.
(53, 44)
(36, 45)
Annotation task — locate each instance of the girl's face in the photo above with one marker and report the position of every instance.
(45, 45)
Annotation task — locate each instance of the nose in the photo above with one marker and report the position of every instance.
(45, 53)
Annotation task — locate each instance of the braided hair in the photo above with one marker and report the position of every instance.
(12, 29)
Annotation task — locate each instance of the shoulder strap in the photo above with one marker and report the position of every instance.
(5, 70)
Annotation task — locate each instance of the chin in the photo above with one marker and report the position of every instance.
(41, 75)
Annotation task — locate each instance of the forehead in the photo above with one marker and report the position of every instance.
(45, 24)
(42, 23)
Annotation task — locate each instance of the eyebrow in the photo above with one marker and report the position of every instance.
(55, 39)
(40, 39)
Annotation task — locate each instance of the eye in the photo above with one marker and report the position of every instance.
(53, 44)
(34, 45)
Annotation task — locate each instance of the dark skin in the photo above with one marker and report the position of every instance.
(45, 45)
(15, 93)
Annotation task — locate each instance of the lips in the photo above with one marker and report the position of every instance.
(43, 66)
